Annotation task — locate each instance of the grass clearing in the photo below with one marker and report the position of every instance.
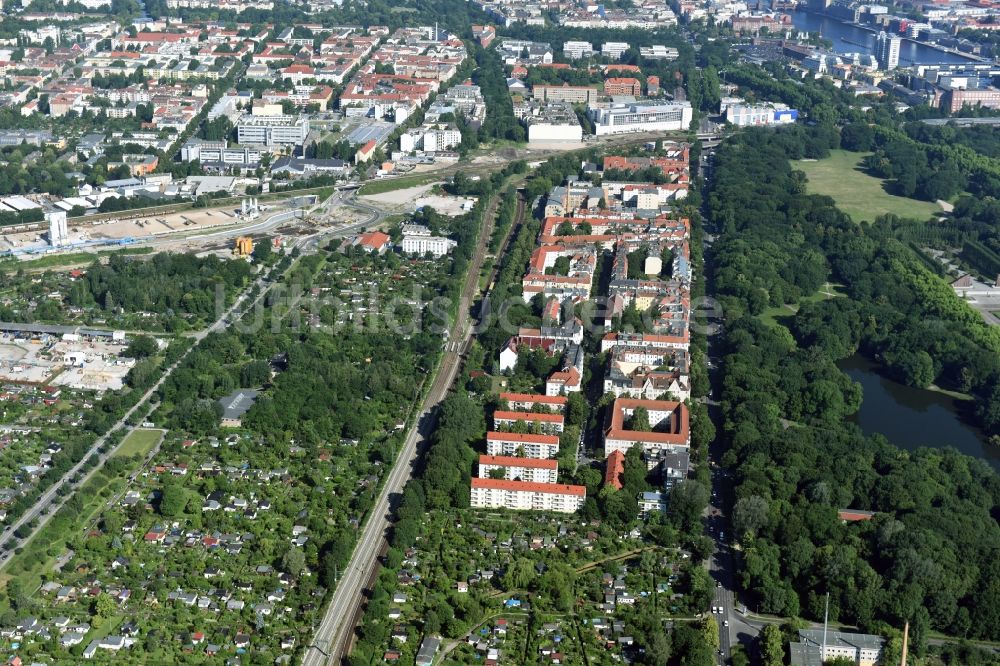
(384, 185)
(139, 442)
(858, 194)
(772, 316)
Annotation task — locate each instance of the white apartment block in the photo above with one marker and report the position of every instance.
(614, 50)
(626, 118)
(436, 245)
(548, 424)
(525, 402)
(658, 52)
(526, 496)
(418, 240)
(577, 50)
(522, 444)
(535, 470)
(429, 140)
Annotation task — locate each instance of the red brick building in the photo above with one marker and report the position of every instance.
(622, 86)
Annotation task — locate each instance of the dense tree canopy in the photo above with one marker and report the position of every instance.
(929, 556)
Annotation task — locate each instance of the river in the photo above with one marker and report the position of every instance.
(847, 38)
(910, 417)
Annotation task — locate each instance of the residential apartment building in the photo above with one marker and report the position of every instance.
(614, 50)
(526, 402)
(815, 649)
(578, 50)
(658, 52)
(514, 468)
(522, 444)
(887, 50)
(526, 496)
(953, 100)
(548, 424)
(418, 240)
(668, 420)
(216, 152)
(744, 115)
(429, 140)
(565, 93)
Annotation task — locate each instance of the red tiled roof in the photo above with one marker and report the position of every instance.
(374, 240)
(527, 486)
(679, 423)
(526, 438)
(528, 416)
(614, 468)
(514, 461)
(532, 397)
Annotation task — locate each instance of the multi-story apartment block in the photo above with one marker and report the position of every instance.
(578, 50)
(668, 420)
(522, 444)
(526, 496)
(514, 468)
(548, 424)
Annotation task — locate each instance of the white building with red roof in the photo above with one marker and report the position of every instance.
(526, 496)
(669, 422)
(546, 423)
(514, 468)
(522, 444)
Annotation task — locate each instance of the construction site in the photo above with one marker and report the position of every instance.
(69, 360)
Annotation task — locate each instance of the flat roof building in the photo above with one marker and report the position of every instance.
(811, 650)
(272, 130)
(637, 117)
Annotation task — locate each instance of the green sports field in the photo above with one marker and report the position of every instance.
(861, 196)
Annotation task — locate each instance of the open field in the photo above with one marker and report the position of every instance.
(139, 442)
(861, 196)
(384, 185)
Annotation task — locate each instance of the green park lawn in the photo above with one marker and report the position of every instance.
(858, 194)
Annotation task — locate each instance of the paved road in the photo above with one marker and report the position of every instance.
(335, 631)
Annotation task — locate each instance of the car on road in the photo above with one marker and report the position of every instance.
(725, 623)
